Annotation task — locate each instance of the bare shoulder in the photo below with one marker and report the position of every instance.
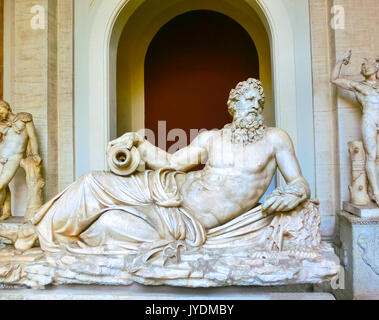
(362, 87)
(279, 138)
(24, 117)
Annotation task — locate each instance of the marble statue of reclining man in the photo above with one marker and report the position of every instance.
(167, 203)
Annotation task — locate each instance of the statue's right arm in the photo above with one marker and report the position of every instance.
(336, 73)
(182, 160)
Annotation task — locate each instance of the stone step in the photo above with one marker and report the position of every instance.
(139, 292)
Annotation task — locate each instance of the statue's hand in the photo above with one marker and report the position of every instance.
(127, 140)
(346, 57)
(280, 203)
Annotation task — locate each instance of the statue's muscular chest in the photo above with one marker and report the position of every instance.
(252, 158)
(12, 133)
(368, 95)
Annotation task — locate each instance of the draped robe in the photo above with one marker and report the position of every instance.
(102, 212)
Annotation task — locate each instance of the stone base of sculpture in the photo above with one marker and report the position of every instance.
(36, 269)
(368, 211)
(229, 264)
(359, 257)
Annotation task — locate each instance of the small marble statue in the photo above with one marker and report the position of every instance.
(209, 222)
(367, 93)
(18, 147)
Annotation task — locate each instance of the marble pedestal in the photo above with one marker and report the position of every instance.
(359, 255)
(368, 211)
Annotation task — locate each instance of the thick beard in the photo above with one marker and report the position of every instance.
(248, 130)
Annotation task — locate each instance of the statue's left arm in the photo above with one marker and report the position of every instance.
(297, 189)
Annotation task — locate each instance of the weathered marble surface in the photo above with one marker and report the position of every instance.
(204, 268)
(240, 261)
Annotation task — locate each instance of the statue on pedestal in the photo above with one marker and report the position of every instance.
(173, 226)
(367, 94)
(18, 147)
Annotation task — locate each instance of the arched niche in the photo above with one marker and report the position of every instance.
(190, 66)
(261, 18)
(142, 27)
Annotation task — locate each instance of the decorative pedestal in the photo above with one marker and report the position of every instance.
(366, 212)
(360, 257)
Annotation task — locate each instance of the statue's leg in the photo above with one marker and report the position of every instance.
(124, 227)
(7, 173)
(3, 194)
(7, 212)
(369, 134)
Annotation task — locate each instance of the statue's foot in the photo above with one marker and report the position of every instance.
(26, 238)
